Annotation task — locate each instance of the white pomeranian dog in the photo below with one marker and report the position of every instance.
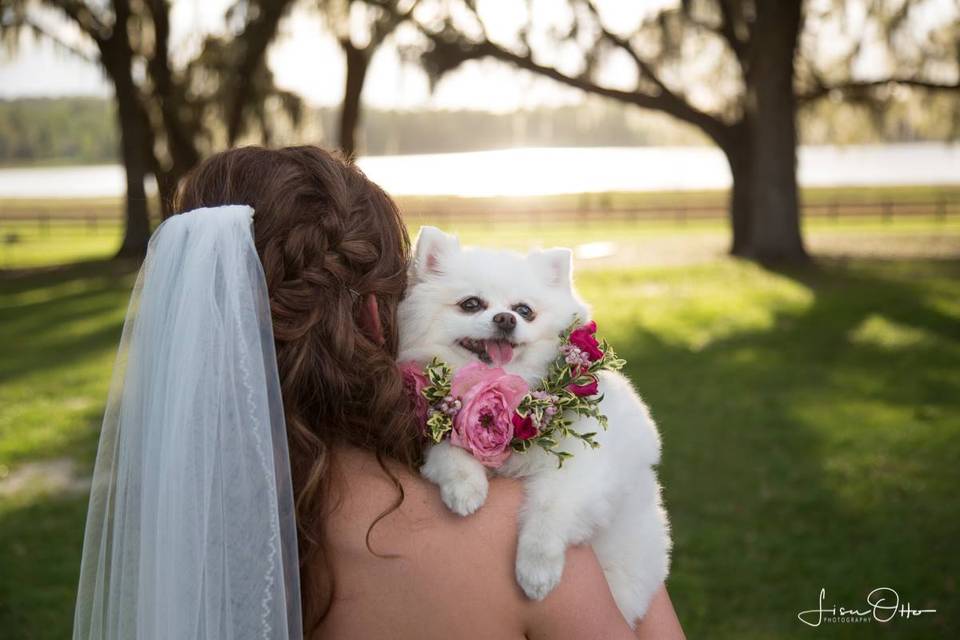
(508, 310)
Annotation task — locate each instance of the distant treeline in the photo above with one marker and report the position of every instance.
(83, 130)
(74, 130)
(593, 124)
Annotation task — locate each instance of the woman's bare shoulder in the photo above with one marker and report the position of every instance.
(459, 563)
(364, 490)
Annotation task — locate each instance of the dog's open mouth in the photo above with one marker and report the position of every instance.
(495, 352)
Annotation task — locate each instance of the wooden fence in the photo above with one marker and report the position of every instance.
(597, 210)
(884, 209)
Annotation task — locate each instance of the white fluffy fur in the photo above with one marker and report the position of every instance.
(609, 496)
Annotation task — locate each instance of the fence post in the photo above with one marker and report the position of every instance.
(606, 202)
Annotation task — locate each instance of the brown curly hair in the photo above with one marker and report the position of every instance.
(328, 238)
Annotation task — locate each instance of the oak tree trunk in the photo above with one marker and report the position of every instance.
(133, 144)
(358, 60)
(741, 192)
(116, 54)
(770, 115)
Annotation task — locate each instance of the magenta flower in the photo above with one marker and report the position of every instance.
(523, 428)
(584, 339)
(489, 398)
(415, 382)
(588, 389)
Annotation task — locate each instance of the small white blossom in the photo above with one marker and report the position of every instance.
(449, 406)
(574, 356)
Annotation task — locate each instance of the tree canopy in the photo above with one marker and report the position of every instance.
(735, 69)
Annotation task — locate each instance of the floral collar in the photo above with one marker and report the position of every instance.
(492, 413)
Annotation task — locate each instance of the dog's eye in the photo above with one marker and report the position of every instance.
(471, 304)
(524, 311)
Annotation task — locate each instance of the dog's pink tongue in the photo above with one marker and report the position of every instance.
(500, 351)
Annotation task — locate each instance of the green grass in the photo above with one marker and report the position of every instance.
(29, 244)
(61, 243)
(811, 427)
(59, 333)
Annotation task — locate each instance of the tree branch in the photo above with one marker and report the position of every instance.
(643, 67)
(388, 21)
(728, 29)
(84, 18)
(450, 49)
(669, 102)
(666, 102)
(47, 34)
(256, 37)
(824, 90)
(180, 142)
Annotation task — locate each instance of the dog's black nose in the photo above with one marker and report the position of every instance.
(505, 321)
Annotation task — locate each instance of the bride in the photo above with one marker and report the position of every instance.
(256, 476)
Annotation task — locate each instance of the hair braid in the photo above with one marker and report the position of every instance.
(327, 238)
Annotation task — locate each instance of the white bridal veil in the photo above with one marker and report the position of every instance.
(190, 532)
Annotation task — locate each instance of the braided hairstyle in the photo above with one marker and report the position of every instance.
(328, 239)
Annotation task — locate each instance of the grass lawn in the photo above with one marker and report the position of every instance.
(811, 425)
(27, 244)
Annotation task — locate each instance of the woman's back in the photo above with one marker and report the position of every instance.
(453, 577)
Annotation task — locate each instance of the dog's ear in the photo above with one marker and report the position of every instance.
(433, 248)
(554, 265)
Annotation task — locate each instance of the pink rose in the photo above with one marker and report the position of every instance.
(523, 428)
(416, 381)
(584, 339)
(489, 398)
(588, 389)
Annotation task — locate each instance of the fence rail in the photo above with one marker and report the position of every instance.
(886, 210)
(586, 213)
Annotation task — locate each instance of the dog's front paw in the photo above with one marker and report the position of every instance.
(462, 480)
(539, 567)
(466, 495)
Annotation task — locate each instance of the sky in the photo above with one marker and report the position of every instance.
(305, 58)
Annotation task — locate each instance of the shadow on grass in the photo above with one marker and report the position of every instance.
(24, 279)
(40, 545)
(797, 458)
(66, 314)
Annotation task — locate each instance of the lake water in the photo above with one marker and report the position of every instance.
(544, 171)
